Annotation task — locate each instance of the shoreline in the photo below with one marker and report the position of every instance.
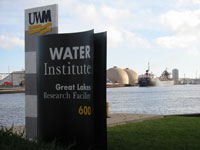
(118, 119)
(112, 120)
(11, 90)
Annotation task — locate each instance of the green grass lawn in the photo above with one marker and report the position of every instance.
(168, 133)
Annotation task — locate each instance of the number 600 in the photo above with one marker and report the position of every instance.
(84, 110)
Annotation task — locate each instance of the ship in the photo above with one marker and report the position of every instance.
(165, 79)
(147, 79)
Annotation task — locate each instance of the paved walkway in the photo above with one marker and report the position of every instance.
(116, 119)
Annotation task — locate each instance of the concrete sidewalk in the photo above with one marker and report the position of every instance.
(116, 119)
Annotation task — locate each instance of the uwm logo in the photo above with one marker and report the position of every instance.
(36, 19)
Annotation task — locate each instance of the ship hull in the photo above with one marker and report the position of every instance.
(144, 82)
(164, 83)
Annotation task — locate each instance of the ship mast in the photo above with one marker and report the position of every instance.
(148, 66)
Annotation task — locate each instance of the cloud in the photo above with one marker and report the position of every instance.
(193, 52)
(79, 16)
(112, 20)
(184, 26)
(189, 1)
(104, 18)
(86, 14)
(115, 36)
(176, 20)
(9, 43)
(196, 1)
(101, 14)
(115, 15)
(135, 41)
(120, 37)
(176, 41)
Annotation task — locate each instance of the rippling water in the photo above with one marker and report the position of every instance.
(12, 109)
(176, 99)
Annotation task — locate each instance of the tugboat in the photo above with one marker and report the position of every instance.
(148, 79)
(165, 79)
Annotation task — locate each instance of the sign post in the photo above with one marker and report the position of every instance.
(38, 21)
(65, 78)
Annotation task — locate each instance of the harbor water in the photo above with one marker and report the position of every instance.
(12, 109)
(177, 99)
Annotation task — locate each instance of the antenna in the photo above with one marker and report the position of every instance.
(148, 66)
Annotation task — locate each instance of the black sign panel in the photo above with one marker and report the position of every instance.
(65, 88)
(100, 47)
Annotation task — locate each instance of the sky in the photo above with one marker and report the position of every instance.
(165, 33)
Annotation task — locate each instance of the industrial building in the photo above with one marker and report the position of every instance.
(132, 75)
(122, 76)
(15, 78)
(117, 75)
(175, 74)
